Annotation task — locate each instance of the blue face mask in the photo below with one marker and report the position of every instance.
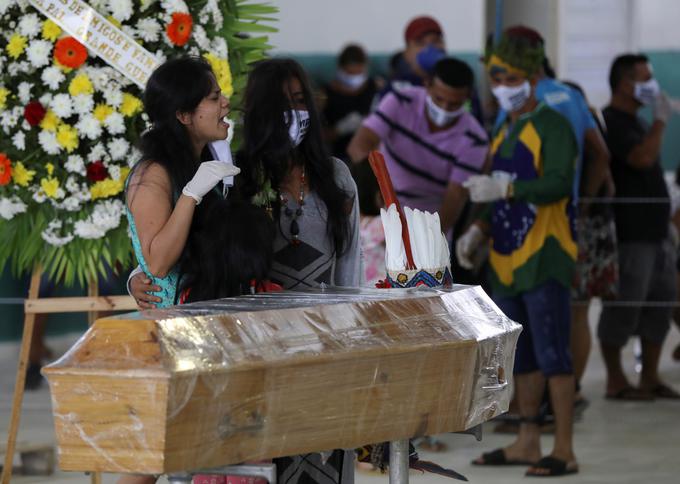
(429, 56)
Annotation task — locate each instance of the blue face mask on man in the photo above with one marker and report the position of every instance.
(429, 56)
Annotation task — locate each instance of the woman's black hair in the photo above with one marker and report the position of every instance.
(230, 245)
(267, 152)
(177, 85)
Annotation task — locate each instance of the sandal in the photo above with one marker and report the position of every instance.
(552, 467)
(664, 391)
(498, 458)
(630, 394)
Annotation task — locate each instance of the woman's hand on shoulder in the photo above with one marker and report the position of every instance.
(140, 288)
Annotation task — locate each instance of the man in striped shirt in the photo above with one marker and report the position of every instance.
(430, 142)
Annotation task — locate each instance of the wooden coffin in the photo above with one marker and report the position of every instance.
(218, 383)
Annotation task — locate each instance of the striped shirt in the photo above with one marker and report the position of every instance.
(421, 162)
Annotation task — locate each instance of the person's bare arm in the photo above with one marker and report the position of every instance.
(162, 230)
(363, 142)
(645, 154)
(597, 171)
(454, 200)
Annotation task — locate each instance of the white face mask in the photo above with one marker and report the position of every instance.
(512, 98)
(298, 124)
(441, 117)
(353, 81)
(647, 91)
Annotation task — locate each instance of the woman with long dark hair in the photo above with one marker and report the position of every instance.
(187, 111)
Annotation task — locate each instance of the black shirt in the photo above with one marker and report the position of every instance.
(635, 222)
(339, 104)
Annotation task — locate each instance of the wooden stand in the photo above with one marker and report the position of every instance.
(91, 304)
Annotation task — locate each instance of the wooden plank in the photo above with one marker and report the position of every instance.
(29, 324)
(50, 305)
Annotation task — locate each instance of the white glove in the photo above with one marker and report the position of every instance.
(484, 188)
(467, 244)
(349, 124)
(208, 175)
(662, 107)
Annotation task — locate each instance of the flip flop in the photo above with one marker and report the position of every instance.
(498, 458)
(554, 467)
(664, 391)
(630, 394)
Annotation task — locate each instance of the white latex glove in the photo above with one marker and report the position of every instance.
(208, 175)
(349, 124)
(484, 188)
(662, 107)
(467, 244)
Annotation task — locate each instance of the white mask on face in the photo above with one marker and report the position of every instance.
(298, 124)
(647, 91)
(353, 81)
(441, 117)
(512, 98)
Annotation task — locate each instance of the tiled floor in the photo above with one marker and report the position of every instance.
(616, 442)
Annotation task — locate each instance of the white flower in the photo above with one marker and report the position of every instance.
(96, 153)
(19, 140)
(148, 29)
(115, 123)
(72, 184)
(52, 77)
(16, 68)
(89, 127)
(113, 96)
(29, 25)
(62, 105)
(83, 104)
(114, 171)
(48, 142)
(219, 47)
(4, 5)
(24, 92)
(39, 196)
(86, 229)
(121, 10)
(25, 126)
(173, 6)
(160, 56)
(146, 4)
(212, 8)
(105, 216)
(201, 38)
(133, 156)
(38, 53)
(71, 204)
(75, 164)
(45, 99)
(9, 207)
(52, 234)
(118, 148)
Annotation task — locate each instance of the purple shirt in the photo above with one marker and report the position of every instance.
(422, 163)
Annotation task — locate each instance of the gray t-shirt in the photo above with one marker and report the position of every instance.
(314, 261)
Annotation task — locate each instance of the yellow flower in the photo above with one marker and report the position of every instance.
(4, 93)
(67, 137)
(131, 105)
(222, 73)
(102, 111)
(50, 186)
(21, 175)
(16, 45)
(80, 84)
(50, 168)
(50, 121)
(50, 30)
(107, 188)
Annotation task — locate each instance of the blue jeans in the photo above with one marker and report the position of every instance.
(545, 315)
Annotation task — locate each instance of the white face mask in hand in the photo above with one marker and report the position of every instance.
(298, 124)
(646, 92)
(439, 116)
(512, 98)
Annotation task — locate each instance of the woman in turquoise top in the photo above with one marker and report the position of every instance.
(187, 111)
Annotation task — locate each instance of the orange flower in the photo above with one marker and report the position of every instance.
(70, 53)
(5, 169)
(179, 30)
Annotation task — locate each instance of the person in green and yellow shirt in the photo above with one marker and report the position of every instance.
(530, 224)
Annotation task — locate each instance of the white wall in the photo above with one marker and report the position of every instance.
(657, 24)
(325, 26)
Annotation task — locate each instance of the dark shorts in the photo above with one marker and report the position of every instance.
(647, 275)
(545, 315)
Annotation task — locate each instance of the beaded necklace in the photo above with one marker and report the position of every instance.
(295, 214)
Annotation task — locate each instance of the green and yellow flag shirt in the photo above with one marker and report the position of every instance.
(533, 233)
